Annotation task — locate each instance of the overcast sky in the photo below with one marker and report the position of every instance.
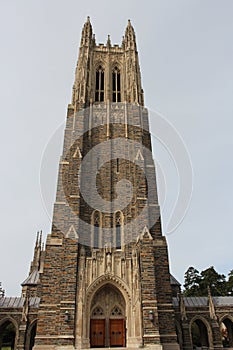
(186, 56)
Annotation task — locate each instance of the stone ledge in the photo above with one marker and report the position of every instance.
(54, 241)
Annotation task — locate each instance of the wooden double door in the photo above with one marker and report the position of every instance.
(107, 333)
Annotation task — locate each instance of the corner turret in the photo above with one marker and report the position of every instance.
(87, 35)
(130, 38)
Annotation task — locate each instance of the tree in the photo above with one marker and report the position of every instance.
(215, 281)
(192, 280)
(2, 291)
(230, 283)
(196, 284)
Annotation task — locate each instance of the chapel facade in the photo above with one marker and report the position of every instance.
(103, 278)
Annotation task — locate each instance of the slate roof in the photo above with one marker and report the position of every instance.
(203, 301)
(18, 302)
(32, 279)
(174, 281)
(223, 301)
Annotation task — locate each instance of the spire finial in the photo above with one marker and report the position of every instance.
(130, 40)
(37, 239)
(86, 32)
(40, 240)
(109, 41)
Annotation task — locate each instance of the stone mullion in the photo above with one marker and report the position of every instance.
(22, 336)
(217, 341)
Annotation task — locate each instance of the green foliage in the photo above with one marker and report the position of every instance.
(230, 283)
(192, 280)
(2, 292)
(197, 283)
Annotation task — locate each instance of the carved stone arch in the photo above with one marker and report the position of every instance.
(115, 298)
(116, 64)
(226, 316)
(117, 311)
(226, 330)
(98, 64)
(101, 282)
(104, 279)
(97, 311)
(207, 325)
(102, 330)
(28, 345)
(10, 320)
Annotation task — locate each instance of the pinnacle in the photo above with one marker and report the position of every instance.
(129, 27)
(109, 41)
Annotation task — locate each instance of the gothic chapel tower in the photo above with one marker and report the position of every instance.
(106, 280)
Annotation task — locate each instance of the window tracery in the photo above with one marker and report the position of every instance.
(116, 85)
(99, 84)
(98, 311)
(116, 311)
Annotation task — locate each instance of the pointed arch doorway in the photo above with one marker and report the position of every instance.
(107, 323)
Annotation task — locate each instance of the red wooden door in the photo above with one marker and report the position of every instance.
(97, 333)
(117, 333)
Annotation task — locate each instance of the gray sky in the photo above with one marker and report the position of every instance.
(186, 55)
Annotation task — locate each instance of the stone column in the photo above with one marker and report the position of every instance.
(22, 336)
(217, 340)
(187, 341)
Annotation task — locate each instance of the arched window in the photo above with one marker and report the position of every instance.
(32, 336)
(199, 334)
(96, 233)
(116, 85)
(7, 335)
(99, 84)
(226, 329)
(118, 227)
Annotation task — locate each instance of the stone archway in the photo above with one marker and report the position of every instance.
(8, 335)
(107, 318)
(31, 334)
(131, 311)
(200, 334)
(226, 329)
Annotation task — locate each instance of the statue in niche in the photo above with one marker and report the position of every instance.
(94, 268)
(108, 263)
(123, 268)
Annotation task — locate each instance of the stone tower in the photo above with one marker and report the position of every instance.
(106, 280)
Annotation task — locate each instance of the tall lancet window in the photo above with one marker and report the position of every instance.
(99, 84)
(119, 229)
(96, 233)
(116, 85)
